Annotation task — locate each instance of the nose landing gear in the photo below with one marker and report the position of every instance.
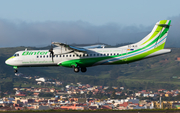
(15, 71)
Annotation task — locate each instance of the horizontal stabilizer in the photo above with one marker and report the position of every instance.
(163, 25)
(160, 52)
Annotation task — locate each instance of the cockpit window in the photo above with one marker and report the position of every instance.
(16, 54)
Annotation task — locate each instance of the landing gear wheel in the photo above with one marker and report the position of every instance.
(76, 69)
(15, 71)
(83, 69)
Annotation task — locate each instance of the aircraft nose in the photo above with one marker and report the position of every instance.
(7, 62)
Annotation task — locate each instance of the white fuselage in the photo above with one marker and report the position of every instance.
(43, 57)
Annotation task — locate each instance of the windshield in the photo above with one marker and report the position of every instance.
(16, 54)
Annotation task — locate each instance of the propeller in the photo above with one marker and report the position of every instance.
(51, 52)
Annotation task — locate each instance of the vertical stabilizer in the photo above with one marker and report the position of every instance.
(158, 35)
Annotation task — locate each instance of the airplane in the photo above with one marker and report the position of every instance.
(79, 58)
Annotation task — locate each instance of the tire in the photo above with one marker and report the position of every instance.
(83, 69)
(15, 71)
(76, 69)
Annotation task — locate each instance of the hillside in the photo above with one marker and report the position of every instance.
(162, 69)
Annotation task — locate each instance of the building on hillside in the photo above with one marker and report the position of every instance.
(74, 107)
(178, 58)
(134, 106)
(40, 79)
(163, 105)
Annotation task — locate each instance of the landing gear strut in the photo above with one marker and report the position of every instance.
(76, 69)
(83, 69)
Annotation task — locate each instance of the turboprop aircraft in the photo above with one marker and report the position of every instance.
(81, 58)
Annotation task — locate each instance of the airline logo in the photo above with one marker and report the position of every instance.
(35, 53)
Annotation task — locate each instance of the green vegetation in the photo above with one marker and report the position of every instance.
(46, 95)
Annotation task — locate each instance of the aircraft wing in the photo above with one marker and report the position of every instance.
(69, 47)
(93, 46)
(79, 49)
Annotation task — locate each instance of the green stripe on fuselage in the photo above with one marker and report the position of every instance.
(140, 56)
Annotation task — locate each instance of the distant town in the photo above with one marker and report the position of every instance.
(85, 97)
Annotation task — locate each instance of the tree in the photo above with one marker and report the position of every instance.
(8, 86)
(178, 97)
(113, 95)
(46, 95)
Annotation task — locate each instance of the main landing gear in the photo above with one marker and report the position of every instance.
(83, 69)
(76, 69)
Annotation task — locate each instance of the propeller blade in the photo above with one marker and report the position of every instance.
(51, 52)
(52, 56)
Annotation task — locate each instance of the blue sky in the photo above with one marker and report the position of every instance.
(38, 22)
(96, 12)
